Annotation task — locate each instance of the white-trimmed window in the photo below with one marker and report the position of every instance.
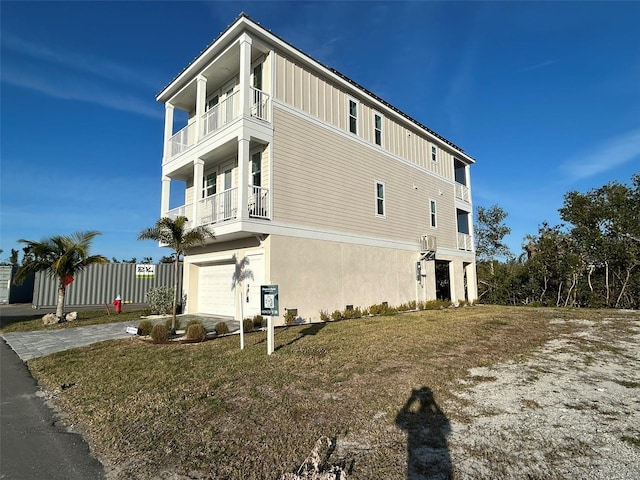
(432, 214)
(209, 184)
(377, 128)
(256, 169)
(434, 153)
(380, 205)
(353, 116)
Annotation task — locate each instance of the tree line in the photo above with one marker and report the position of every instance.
(591, 260)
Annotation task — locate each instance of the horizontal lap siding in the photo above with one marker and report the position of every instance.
(326, 180)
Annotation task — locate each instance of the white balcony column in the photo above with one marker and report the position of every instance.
(243, 179)
(168, 129)
(201, 100)
(245, 75)
(165, 195)
(198, 176)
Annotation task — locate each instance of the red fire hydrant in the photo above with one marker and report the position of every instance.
(118, 304)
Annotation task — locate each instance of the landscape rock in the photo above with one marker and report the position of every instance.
(50, 319)
(71, 316)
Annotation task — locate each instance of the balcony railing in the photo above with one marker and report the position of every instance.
(221, 114)
(258, 202)
(259, 104)
(218, 116)
(462, 192)
(465, 242)
(183, 139)
(182, 211)
(218, 207)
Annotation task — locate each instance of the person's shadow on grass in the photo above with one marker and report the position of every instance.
(427, 429)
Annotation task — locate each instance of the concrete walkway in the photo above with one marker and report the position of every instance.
(30, 345)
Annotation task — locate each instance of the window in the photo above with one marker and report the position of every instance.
(256, 169)
(227, 179)
(257, 76)
(377, 128)
(353, 116)
(380, 198)
(432, 213)
(212, 102)
(209, 187)
(434, 153)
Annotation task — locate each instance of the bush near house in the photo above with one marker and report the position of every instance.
(144, 328)
(247, 325)
(258, 321)
(196, 331)
(160, 333)
(222, 328)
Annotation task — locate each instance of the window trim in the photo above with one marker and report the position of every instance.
(379, 199)
(375, 129)
(356, 104)
(434, 153)
(251, 172)
(205, 186)
(433, 213)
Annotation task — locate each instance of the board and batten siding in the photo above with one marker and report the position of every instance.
(324, 179)
(307, 91)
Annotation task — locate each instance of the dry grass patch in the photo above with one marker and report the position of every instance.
(209, 410)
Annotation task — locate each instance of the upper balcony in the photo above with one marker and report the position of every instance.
(217, 117)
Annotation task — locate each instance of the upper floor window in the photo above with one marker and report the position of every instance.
(256, 169)
(434, 153)
(257, 76)
(432, 213)
(209, 187)
(377, 128)
(380, 207)
(353, 116)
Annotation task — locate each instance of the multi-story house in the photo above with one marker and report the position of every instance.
(329, 191)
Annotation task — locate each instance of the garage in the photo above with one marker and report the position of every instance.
(214, 289)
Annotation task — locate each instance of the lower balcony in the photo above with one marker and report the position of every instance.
(223, 207)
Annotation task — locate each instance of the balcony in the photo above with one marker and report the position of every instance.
(223, 207)
(462, 192)
(465, 242)
(217, 117)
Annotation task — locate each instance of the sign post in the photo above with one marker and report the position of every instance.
(269, 307)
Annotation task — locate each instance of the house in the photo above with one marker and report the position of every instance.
(329, 191)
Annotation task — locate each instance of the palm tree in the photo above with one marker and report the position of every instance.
(175, 234)
(240, 274)
(62, 256)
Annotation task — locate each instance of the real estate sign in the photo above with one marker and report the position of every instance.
(269, 300)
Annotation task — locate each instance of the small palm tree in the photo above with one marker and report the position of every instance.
(62, 257)
(175, 234)
(240, 274)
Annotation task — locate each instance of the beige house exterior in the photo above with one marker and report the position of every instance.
(331, 193)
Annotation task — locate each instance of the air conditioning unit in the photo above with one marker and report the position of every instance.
(428, 243)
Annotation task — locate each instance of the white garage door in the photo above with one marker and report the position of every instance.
(214, 290)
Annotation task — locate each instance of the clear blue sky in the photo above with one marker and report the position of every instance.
(545, 96)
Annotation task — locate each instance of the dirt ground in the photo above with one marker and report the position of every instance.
(571, 411)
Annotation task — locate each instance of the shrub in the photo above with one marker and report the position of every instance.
(324, 316)
(167, 323)
(336, 315)
(191, 322)
(196, 331)
(289, 317)
(222, 328)
(160, 300)
(258, 321)
(247, 325)
(144, 328)
(160, 333)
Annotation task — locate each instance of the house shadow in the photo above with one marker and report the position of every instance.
(312, 329)
(427, 430)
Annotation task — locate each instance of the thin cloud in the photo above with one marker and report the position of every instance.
(538, 66)
(79, 62)
(68, 89)
(71, 76)
(606, 156)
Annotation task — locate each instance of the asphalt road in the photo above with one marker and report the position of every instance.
(34, 444)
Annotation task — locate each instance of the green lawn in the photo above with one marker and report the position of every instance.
(31, 322)
(209, 410)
